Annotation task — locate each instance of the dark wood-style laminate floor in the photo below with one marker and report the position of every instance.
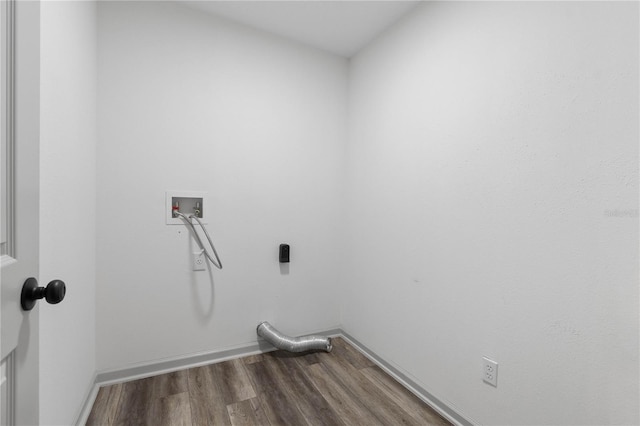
(277, 388)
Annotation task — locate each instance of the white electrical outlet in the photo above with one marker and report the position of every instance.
(199, 262)
(490, 371)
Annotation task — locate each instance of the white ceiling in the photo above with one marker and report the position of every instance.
(341, 27)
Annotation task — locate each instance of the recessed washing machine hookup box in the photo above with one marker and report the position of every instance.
(188, 203)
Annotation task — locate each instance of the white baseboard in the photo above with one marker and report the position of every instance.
(85, 410)
(154, 368)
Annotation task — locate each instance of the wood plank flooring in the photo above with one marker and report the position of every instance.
(277, 388)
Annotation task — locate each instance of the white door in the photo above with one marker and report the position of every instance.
(20, 216)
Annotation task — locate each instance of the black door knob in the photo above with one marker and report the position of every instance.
(31, 293)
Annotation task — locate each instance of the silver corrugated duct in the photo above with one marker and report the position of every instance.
(293, 344)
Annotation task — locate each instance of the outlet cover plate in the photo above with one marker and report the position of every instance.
(199, 261)
(490, 371)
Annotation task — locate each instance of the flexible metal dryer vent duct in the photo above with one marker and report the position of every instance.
(293, 344)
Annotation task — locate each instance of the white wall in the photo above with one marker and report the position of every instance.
(492, 197)
(190, 102)
(68, 206)
(493, 169)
